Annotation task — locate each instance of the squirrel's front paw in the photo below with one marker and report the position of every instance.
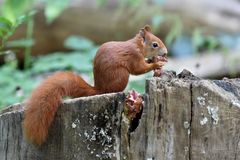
(159, 64)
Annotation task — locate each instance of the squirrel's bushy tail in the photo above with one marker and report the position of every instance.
(45, 99)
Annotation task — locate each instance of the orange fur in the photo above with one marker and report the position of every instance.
(113, 64)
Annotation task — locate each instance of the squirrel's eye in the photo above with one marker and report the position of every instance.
(155, 45)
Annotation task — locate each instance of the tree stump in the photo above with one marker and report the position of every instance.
(182, 119)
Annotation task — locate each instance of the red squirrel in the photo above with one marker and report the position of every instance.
(113, 63)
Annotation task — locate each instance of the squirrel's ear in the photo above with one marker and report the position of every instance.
(143, 31)
(147, 28)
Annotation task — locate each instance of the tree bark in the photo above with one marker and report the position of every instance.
(84, 128)
(182, 118)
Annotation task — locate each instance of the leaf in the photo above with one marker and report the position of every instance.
(10, 80)
(7, 28)
(134, 3)
(175, 31)
(23, 18)
(78, 43)
(5, 25)
(5, 22)
(1, 34)
(138, 86)
(62, 61)
(11, 9)
(21, 43)
(138, 82)
(54, 8)
(101, 2)
(197, 39)
(212, 42)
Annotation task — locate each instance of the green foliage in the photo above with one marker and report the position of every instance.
(202, 41)
(212, 42)
(137, 83)
(12, 9)
(53, 8)
(101, 2)
(130, 3)
(76, 61)
(20, 43)
(7, 28)
(134, 3)
(27, 52)
(14, 84)
(78, 43)
(80, 59)
(16, 12)
(176, 30)
(197, 39)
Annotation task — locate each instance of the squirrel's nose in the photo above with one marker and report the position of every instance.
(163, 52)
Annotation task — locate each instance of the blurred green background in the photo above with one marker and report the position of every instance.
(39, 37)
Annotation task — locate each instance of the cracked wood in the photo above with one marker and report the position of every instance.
(182, 119)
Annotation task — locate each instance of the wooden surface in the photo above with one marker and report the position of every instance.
(84, 128)
(182, 119)
(219, 136)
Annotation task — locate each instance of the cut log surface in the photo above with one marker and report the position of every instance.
(84, 128)
(182, 119)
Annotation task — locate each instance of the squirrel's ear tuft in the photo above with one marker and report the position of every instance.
(147, 28)
(142, 33)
